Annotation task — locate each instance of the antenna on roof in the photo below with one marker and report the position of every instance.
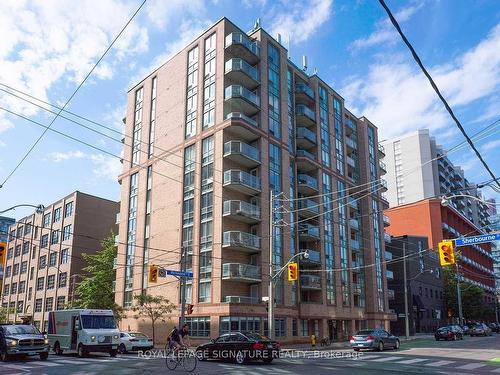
(256, 24)
(278, 37)
(304, 63)
(315, 70)
(288, 46)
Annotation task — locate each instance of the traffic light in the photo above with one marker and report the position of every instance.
(446, 254)
(153, 274)
(293, 271)
(3, 253)
(189, 309)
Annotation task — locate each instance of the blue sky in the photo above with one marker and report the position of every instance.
(48, 47)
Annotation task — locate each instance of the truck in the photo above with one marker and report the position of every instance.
(83, 331)
(22, 339)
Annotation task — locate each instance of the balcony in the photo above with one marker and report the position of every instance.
(383, 168)
(241, 272)
(310, 282)
(305, 161)
(308, 232)
(304, 115)
(356, 288)
(387, 237)
(350, 127)
(388, 255)
(351, 143)
(354, 223)
(390, 294)
(386, 220)
(314, 258)
(381, 150)
(241, 72)
(241, 241)
(242, 182)
(383, 185)
(241, 99)
(240, 45)
(307, 184)
(355, 245)
(389, 274)
(240, 131)
(242, 153)
(353, 203)
(356, 265)
(117, 221)
(241, 211)
(304, 94)
(242, 299)
(350, 161)
(305, 138)
(308, 208)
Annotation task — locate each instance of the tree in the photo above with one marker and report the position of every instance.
(153, 308)
(4, 314)
(96, 290)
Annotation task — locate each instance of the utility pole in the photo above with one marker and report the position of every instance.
(496, 307)
(183, 286)
(459, 299)
(270, 310)
(407, 320)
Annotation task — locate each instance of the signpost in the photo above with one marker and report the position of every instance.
(467, 241)
(179, 273)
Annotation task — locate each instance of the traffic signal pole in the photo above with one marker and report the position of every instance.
(459, 299)
(183, 286)
(270, 310)
(407, 318)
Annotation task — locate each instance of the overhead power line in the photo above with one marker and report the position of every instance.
(436, 89)
(71, 96)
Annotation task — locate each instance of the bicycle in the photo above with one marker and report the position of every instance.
(184, 356)
(325, 341)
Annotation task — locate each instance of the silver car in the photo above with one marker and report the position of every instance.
(375, 339)
(479, 329)
(22, 339)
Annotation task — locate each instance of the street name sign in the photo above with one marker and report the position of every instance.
(179, 273)
(465, 241)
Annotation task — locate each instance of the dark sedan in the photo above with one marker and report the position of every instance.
(239, 347)
(376, 339)
(448, 333)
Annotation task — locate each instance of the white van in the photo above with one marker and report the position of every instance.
(83, 331)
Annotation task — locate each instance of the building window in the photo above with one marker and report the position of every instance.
(46, 220)
(26, 247)
(61, 302)
(131, 238)
(54, 237)
(68, 209)
(6, 289)
(274, 90)
(44, 241)
(8, 271)
(57, 215)
(66, 232)
(13, 288)
(10, 253)
(192, 93)
(236, 323)
(52, 259)
(280, 327)
(49, 304)
(40, 283)
(15, 269)
(304, 327)
(136, 131)
(199, 326)
(152, 118)
(51, 281)
(295, 331)
(63, 277)
(42, 262)
(64, 256)
(24, 266)
(17, 250)
(38, 305)
(205, 292)
(22, 287)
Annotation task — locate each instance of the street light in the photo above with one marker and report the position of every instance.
(445, 200)
(39, 208)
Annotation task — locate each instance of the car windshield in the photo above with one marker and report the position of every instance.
(98, 322)
(255, 336)
(364, 333)
(22, 330)
(138, 335)
(443, 329)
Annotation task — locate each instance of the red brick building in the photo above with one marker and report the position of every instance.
(436, 222)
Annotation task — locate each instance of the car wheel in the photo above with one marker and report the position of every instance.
(201, 355)
(380, 346)
(122, 349)
(44, 356)
(4, 357)
(57, 348)
(396, 345)
(240, 358)
(81, 351)
(113, 353)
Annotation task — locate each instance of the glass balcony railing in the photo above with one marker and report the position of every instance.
(310, 282)
(356, 288)
(350, 161)
(241, 65)
(308, 230)
(306, 180)
(354, 223)
(309, 205)
(305, 154)
(241, 271)
(351, 143)
(238, 115)
(356, 264)
(241, 299)
(241, 239)
(305, 111)
(235, 207)
(381, 149)
(235, 176)
(306, 134)
(241, 148)
(390, 294)
(238, 91)
(382, 166)
(383, 184)
(243, 39)
(353, 203)
(355, 244)
(387, 237)
(314, 256)
(386, 220)
(388, 255)
(389, 274)
(302, 88)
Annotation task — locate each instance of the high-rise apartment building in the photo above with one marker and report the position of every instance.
(44, 259)
(417, 168)
(209, 136)
(5, 222)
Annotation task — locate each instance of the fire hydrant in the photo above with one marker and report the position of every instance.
(313, 341)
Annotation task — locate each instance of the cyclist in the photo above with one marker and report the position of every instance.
(179, 338)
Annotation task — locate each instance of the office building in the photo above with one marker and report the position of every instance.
(44, 259)
(209, 136)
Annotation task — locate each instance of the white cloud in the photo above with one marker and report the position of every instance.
(300, 19)
(492, 145)
(58, 157)
(384, 31)
(3, 144)
(104, 166)
(163, 12)
(397, 97)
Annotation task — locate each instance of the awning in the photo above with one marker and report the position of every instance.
(417, 301)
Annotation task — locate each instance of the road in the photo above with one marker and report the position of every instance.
(473, 355)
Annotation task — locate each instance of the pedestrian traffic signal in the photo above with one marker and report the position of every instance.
(3, 253)
(153, 274)
(293, 271)
(446, 253)
(189, 309)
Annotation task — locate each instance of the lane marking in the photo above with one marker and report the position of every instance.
(387, 359)
(45, 364)
(471, 366)
(438, 363)
(416, 360)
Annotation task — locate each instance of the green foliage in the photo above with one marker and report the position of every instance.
(153, 308)
(96, 290)
(4, 314)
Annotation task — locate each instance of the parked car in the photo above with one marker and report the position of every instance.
(457, 330)
(465, 328)
(239, 347)
(22, 339)
(494, 327)
(376, 339)
(448, 333)
(479, 329)
(134, 341)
